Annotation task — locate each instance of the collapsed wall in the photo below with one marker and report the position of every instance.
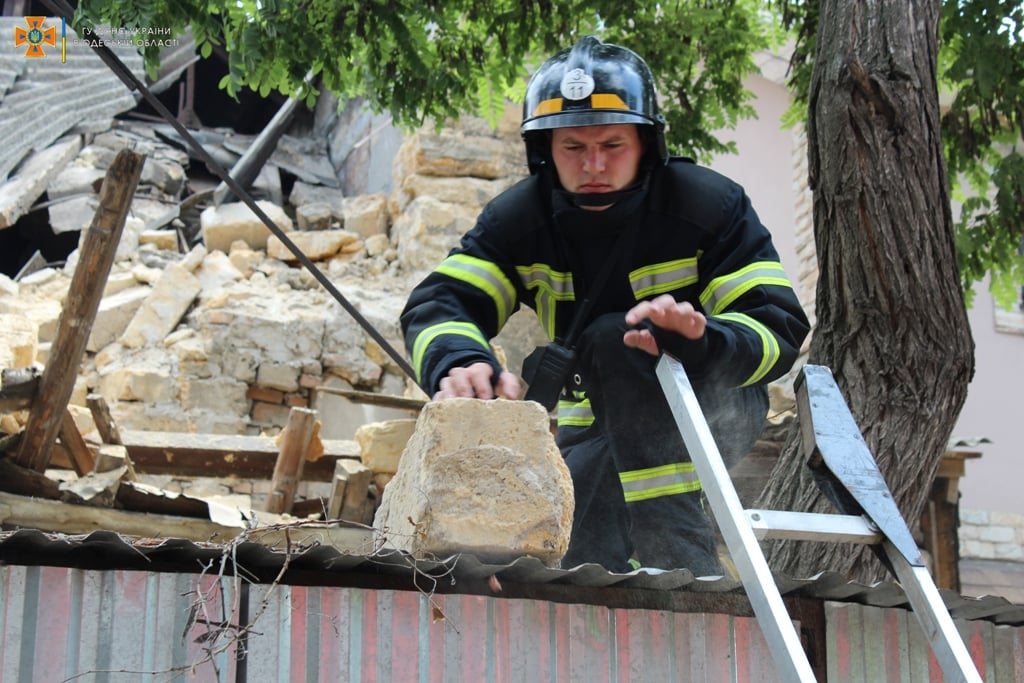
(228, 337)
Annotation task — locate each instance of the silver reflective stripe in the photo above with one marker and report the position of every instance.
(550, 287)
(770, 350)
(575, 413)
(724, 290)
(485, 276)
(661, 278)
(656, 482)
(429, 334)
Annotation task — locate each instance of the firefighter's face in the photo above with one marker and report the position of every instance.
(593, 159)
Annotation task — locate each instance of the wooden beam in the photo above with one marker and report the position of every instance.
(295, 440)
(21, 480)
(52, 515)
(96, 258)
(221, 455)
(82, 461)
(349, 499)
(413, 405)
(105, 424)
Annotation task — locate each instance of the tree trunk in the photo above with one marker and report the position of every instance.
(891, 321)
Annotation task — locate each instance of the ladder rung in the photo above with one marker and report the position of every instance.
(812, 526)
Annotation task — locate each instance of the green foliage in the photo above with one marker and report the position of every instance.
(420, 59)
(982, 63)
(981, 68)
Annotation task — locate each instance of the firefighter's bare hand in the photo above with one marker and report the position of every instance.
(667, 313)
(475, 382)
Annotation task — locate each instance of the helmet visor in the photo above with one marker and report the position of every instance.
(587, 117)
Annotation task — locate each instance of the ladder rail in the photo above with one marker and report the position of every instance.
(780, 634)
(742, 530)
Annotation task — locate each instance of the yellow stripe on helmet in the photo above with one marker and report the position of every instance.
(597, 101)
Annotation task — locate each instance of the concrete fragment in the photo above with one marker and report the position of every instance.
(19, 193)
(367, 215)
(318, 216)
(474, 192)
(450, 154)
(172, 295)
(18, 345)
(381, 443)
(480, 477)
(318, 245)
(217, 270)
(113, 315)
(160, 239)
(8, 287)
(427, 231)
(303, 194)
(281, 376)
(222, 225)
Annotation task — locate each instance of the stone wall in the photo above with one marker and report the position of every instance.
(986, 535)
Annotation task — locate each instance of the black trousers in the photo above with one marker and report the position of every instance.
(635, 434)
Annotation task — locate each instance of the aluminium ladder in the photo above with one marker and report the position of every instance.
(847, 473)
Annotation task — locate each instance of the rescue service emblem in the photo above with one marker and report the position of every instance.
(577, 85)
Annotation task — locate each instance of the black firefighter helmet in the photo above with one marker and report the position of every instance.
(591, 84)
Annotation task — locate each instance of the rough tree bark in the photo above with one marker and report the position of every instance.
(891, 324)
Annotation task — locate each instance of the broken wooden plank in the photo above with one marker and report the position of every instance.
(413, 405)
(295, 441)
(112, 456)
(82, 461)
(351, 492)
(23, 481)
(221, 455)
(105, 424)
(52, 515)
(96, 258)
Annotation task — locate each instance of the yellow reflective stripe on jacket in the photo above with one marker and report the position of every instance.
(655, 482)
(485, 276)
(769, 343)
(551, 286)
(659, 278)
(429, 334)
(575, 413)
(724, 290)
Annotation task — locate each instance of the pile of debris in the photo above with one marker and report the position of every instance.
(212, 357)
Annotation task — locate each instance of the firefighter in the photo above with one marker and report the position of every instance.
(624, 253)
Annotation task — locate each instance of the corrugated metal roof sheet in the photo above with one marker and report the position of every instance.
(324, 565)
(59, 624)
(48, 97)
(871, 644)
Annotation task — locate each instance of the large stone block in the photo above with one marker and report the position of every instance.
(367, 215)
(381, 443)
(222, 225)
(160, 313)
(18, 344)
(113, 316)
(427, 231)
(479, 477)
(450, 154)
(317, 246)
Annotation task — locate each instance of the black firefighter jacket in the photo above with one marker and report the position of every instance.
(692, 234)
